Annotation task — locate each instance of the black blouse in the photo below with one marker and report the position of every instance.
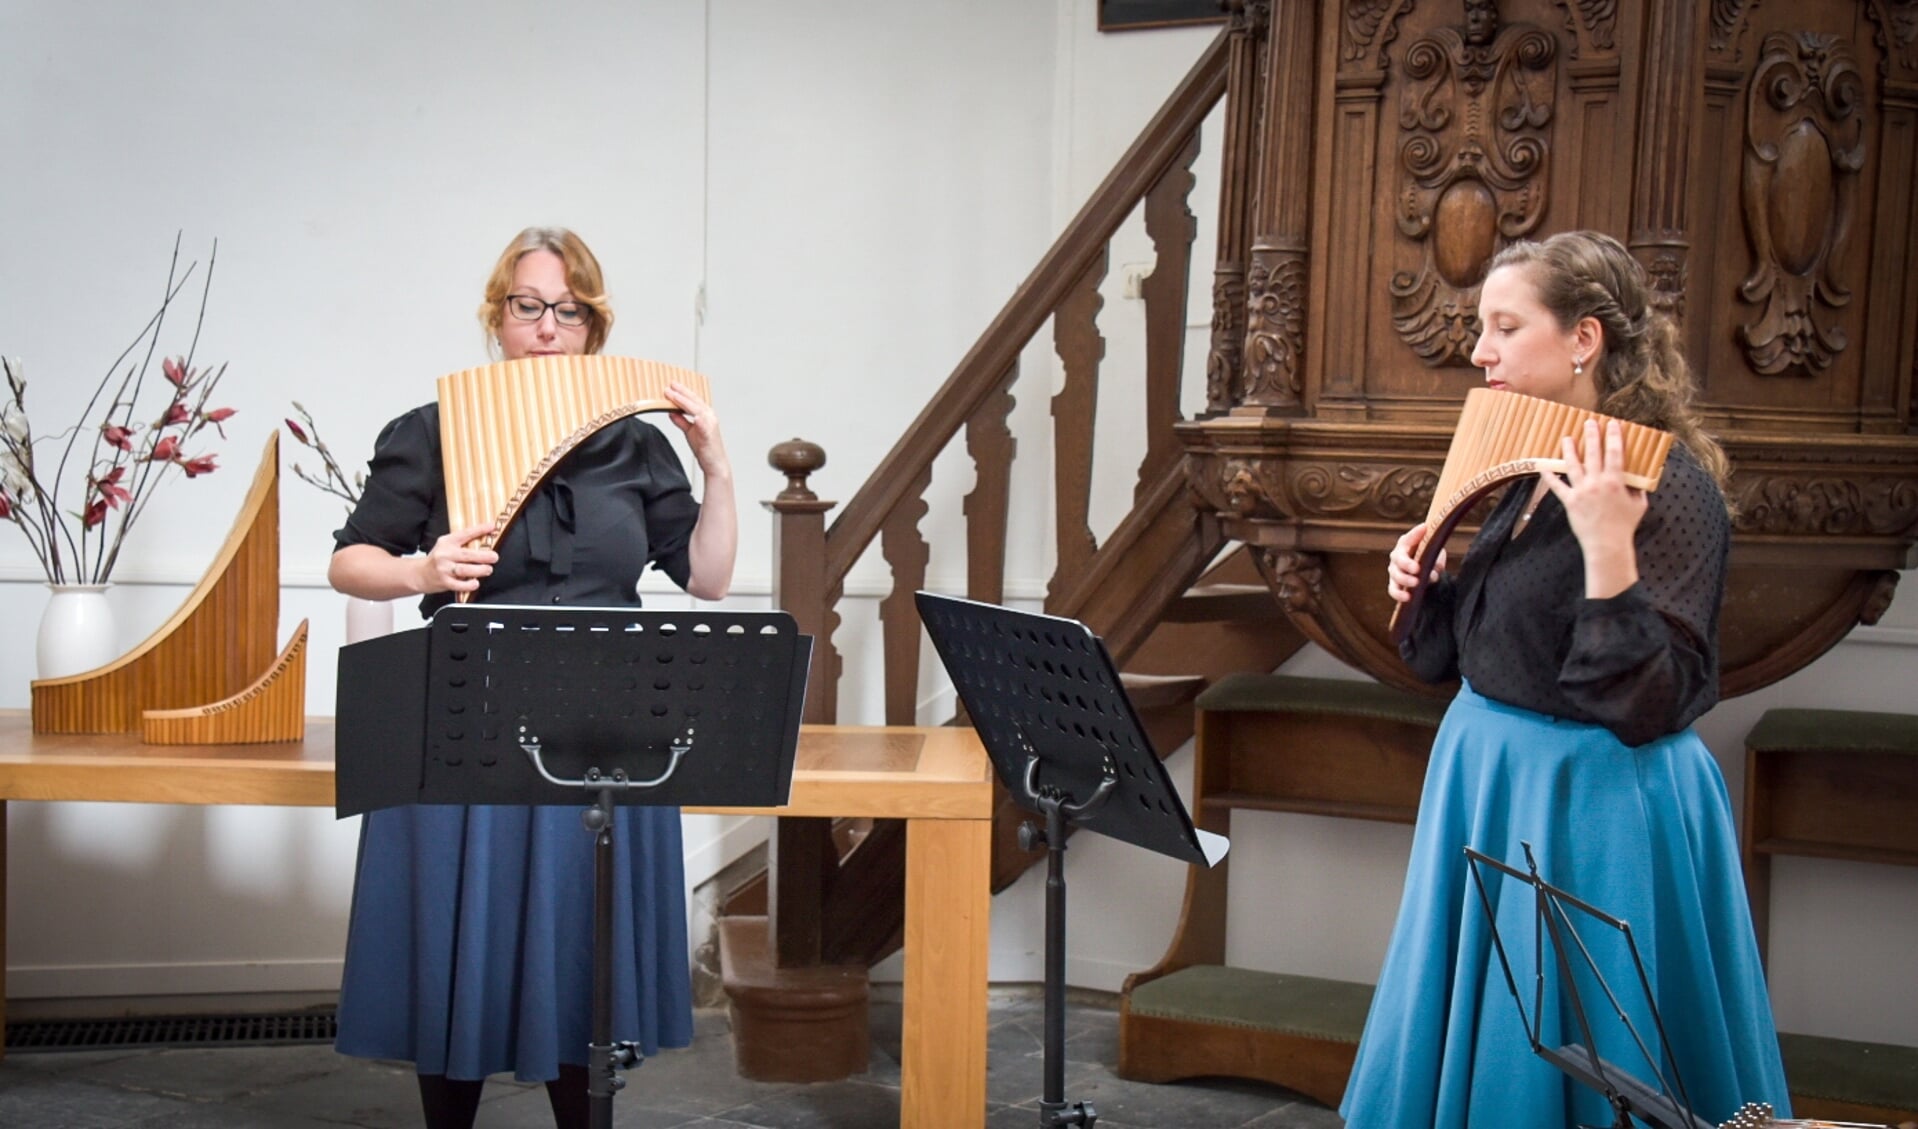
(615, 503)
(1515, 624)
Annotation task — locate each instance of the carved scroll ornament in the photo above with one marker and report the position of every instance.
(1473, 159)
(1827, 505)
(1275, 325)
(1804, 147)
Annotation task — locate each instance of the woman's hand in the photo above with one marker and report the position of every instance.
(1603, 511)
(1402, 566)
(698, 422)
(456, 565)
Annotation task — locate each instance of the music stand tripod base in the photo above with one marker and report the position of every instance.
(1045, 698)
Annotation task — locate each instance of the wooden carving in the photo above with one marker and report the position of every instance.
(1473, 157)
(1896, 33)
(1728, 20)
(215, 646)
(272, 709)
(1804, 147)
(1368, 26)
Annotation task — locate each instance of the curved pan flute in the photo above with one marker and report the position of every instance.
(503, 427)
(1505, 435)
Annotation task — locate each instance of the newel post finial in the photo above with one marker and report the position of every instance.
(796, 459)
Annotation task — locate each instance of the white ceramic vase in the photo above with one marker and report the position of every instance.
(76, 631)
(368, 619)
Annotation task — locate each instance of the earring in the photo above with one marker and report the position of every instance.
(1578, 366)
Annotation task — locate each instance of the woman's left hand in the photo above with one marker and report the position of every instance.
(696, 420)
(1603, 511)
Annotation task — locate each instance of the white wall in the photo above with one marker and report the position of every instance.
(362, 164)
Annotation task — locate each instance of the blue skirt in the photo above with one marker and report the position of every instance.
(470, 947)
(1644, 834)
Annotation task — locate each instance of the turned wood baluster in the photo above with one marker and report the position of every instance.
(1170, 223)
(990, 443)
(906, 553)
(1076, 338)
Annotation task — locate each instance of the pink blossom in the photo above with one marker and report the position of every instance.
(218, 417)
(176, 372)
(298, 432)
(198, 466)
(110, 489)
(176, 413)
(117, 436)
(166, 450)
(96, 513)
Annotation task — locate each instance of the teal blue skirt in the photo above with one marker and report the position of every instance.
(1644, 834)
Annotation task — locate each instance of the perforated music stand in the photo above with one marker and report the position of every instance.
(1662, 1106)
(1046, 700)
(514, 705)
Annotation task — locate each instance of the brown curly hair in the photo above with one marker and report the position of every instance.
(1641, 372)
(583, 278)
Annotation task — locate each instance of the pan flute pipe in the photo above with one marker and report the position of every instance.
(1504, 435)
(504, 426)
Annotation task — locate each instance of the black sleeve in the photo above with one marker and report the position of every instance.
(671, 510)
(402, 506)
(1644, 663)
(1430, 649)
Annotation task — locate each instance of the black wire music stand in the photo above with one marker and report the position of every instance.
(1664, 1105)
(525, 705)
(1046, 700)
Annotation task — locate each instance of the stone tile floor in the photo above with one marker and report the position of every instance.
(311, 1087)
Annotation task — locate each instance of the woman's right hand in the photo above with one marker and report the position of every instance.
(1402, 566)
(455, 565)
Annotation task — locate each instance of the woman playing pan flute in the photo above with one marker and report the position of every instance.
(469, 952)
(1584, 624)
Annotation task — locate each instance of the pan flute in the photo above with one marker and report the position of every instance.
(1502, 436)
(503, 427)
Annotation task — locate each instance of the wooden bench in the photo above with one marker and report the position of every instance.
(1356, 750)
(1834, 784)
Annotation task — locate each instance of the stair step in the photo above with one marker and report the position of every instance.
(1158, 691)
(1223, 603)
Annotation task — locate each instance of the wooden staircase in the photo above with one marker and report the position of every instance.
(1173, 613)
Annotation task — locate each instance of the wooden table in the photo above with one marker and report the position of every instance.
(937, 779)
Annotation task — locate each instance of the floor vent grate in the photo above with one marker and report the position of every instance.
(172, 1031)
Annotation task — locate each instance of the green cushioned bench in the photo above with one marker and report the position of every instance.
(1842, 1080)
(1275, 743)
(1834, 784)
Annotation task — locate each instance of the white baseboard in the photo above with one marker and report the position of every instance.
(205, 978)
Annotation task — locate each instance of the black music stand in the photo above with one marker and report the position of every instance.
(1663, 1106)
(515, 705)
(1046, 700)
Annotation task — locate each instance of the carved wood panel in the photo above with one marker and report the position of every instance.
(1451, 130)
(1809, 152)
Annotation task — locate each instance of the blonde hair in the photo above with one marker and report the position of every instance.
(583, 278)
(1640, 371)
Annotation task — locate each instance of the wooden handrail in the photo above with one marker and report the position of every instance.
(978, 374)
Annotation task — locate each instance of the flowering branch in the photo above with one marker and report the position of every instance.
(129, 455)
(331, 478)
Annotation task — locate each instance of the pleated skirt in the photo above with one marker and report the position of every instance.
(1644, 834)
(470, 947)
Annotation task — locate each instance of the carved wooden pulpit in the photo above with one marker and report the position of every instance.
(1758, 160)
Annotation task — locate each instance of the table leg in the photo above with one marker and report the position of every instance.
(948, 910)
(3, 930)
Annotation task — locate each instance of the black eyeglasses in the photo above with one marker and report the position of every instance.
(527, 307)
